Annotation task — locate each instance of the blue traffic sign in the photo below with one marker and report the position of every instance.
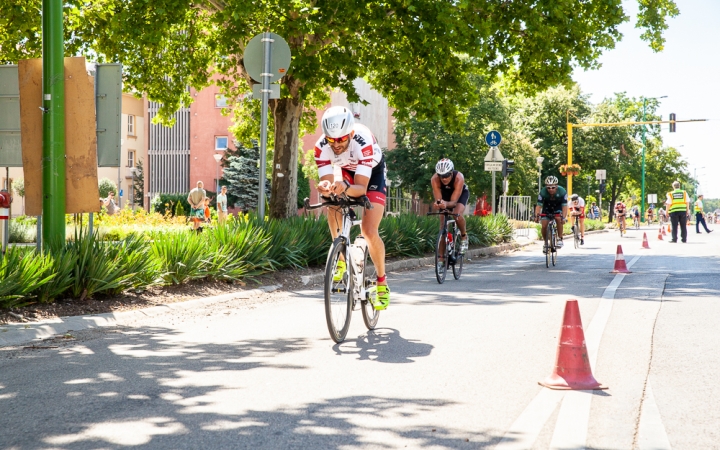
(493, 138)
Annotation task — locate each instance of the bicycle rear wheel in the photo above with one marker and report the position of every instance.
(440, 270)
(576, 233)
(369, 313)
(458, 266)
(338, 294)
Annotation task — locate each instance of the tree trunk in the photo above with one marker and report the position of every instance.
(283, 196)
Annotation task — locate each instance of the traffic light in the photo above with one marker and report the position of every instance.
(507, 167)
(672, 122)
(602, 187)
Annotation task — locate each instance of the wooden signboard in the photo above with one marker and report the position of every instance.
(80, 136)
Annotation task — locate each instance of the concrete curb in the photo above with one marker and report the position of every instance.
(430, 260)
(21, 333)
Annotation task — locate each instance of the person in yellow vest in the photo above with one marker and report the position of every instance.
(699, 216)
(678, 202)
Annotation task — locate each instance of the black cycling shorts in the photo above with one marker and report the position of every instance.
(377, 189)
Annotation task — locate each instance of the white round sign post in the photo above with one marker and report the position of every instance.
(266, 60)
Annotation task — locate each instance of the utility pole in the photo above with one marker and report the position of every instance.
(53, 87)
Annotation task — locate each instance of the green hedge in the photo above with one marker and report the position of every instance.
(86, 266)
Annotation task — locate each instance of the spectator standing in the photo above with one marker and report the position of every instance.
(109, 204)
(196, 198)
(221, 203)
(595, 211)
(678, 202)
(206, 210)
(699, 217)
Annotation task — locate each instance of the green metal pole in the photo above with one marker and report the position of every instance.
(642, 183)
(53, 167)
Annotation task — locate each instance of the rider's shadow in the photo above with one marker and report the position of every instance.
(384, 345)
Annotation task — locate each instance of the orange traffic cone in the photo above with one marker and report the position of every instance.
(663, 231)
(645, 243)
(660, 234)
(620, 266)
(572, 369)
(669, 230)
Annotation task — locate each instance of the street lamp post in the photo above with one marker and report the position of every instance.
(642, 183)
(539, 160)
(217, 157)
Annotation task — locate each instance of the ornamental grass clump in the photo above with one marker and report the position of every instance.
(182, 256)
(22, 272)
(402, 235)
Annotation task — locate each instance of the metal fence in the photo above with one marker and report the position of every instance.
(517, 207)
(394, 206)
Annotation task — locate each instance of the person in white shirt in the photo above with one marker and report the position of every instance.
(222, 205)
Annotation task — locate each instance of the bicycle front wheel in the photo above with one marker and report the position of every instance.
(553, 248)
(458, 266)
(338, 293)
(440, 269)
(369, 313)
(576, 234)
(547, 246)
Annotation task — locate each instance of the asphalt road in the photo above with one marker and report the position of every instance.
(450, 366)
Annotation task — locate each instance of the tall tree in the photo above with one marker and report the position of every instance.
(139, 184)
(417, 53)
(242, 177)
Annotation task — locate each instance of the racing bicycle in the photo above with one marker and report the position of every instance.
(550, 240)
(356, 288)
(576, 230)
(451, 255)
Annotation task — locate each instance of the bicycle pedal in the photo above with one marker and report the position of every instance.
(339, 290)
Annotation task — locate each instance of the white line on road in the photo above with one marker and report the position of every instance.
(652, 435)
(571, 427)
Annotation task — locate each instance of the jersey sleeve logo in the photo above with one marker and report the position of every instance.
(318, 151)
(357, 138)
(367, 151)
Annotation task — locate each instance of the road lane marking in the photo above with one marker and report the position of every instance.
(524, 431)
(572, 423)
(652, 435)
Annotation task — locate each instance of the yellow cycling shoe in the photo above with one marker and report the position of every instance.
(382, 300)
(339, 271)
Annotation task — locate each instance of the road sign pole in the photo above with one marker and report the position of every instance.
(266, 75)
(493, 193)
(53, 167)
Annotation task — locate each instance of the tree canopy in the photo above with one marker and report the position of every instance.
(417, 53)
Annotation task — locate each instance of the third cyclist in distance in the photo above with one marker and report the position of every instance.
(577, 208)
(552, 200)
(451, 192)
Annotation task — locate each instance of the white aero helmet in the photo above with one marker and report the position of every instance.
(444, 166)
(551, 180)
(337, 122)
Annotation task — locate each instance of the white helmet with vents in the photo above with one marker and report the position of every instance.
(551, 180)
(337, 122)
(444, 167)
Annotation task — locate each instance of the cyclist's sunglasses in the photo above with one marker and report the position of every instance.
(447, 175)
(551, 187)
(340, 140)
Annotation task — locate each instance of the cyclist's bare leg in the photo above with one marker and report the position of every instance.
(370, 223)
(442, 241)
(544, 225)
(559, 222)
(459, 210)
(335, 218)
(582, 228)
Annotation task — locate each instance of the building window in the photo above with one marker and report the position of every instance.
(131, 125)
(131, 158)
(220, 101)
(221, 142)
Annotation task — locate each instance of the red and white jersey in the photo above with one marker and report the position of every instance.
(362, 155)
(577, 205)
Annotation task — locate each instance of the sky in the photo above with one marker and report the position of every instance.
(687, 71)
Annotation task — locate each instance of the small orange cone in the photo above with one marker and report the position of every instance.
(645, 243)
(663, 231)
(572, 369)
(660, 234)
(620, 266)
(669, 230)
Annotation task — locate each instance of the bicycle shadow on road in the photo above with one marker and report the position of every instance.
(384, 345)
